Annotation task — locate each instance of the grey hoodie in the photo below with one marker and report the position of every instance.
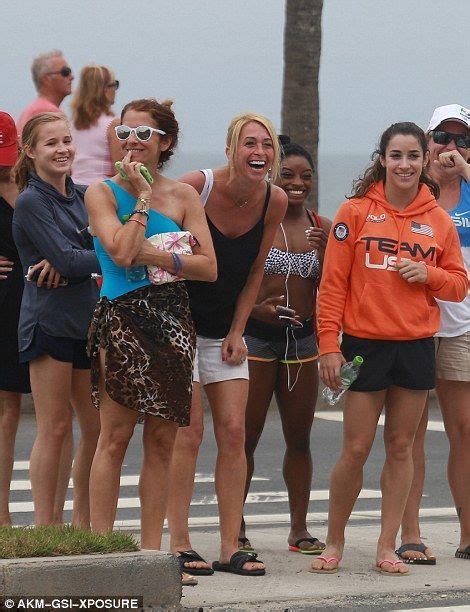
(48, 225)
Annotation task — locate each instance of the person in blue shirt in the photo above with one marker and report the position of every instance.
(449, 147)
(142, 339)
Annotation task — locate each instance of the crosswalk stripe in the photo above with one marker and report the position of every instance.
(337, 415)
(274, 519)
(263, 497)
(126, 481)
(464, 608)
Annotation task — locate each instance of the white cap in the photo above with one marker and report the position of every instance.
(450, 112)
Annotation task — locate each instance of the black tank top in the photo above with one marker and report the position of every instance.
(213, 304)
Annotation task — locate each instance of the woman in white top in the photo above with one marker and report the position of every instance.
(449, 148)
(93, 124)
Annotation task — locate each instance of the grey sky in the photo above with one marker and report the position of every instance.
(382, 60)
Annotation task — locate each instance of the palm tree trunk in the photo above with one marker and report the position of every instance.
(300, 104)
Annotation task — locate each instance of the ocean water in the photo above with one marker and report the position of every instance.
(336, 173)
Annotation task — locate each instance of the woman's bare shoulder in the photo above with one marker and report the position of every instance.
(196, 179)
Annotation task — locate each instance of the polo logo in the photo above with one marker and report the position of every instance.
(376, 218)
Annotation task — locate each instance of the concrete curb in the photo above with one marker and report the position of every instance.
(154, 575)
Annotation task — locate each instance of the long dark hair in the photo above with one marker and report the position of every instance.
(376, 172)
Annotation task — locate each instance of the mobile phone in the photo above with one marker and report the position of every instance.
(285, 312)
(291, 322)
(33, 276)
(143, 171)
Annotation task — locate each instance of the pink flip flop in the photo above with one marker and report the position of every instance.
(393, 562)
(333, 570)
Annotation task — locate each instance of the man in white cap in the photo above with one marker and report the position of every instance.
(449, 148)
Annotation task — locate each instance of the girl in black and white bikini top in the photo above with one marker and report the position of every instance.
(296, 255)
(306, 265)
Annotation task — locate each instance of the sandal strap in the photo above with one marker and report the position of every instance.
(187, 556)
(239, 558)
(328, 559)
(412, 546)
(392, 562)
(309, 540)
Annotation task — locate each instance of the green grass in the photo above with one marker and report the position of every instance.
(53, 541)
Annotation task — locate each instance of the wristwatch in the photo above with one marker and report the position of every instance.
(143, 204)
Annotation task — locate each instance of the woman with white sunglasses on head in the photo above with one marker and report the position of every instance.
(142, 339)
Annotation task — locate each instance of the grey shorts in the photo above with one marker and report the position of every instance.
(453, 357)
(288, 350)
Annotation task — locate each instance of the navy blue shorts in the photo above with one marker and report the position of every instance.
(68, 350)
(410, 364)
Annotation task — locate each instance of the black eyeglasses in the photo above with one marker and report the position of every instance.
(114, 84)
(443, 138)
(65, 72)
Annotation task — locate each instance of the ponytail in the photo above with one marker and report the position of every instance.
(25, 165)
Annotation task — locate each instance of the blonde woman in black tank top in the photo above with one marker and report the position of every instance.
(241, 215)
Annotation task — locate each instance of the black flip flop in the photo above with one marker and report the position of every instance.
(186, 556)
(463, 554)
(236, 563)
(306, 551)
(417, 548)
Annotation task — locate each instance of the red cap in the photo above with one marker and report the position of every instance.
(8, 140)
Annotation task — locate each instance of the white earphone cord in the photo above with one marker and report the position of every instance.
(289, 386)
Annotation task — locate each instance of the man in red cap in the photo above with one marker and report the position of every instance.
(52, 77)
(14, 378)
(8, 157)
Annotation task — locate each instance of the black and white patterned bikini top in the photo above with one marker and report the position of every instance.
(306, 265)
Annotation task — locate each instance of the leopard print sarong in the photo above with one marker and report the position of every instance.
(149, 338)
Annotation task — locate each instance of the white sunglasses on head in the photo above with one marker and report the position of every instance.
(142, 132)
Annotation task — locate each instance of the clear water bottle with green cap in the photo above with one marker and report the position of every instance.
(348, 374)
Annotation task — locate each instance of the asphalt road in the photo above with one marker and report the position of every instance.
(267, 495)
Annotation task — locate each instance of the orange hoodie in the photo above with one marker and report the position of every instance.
(361, 289)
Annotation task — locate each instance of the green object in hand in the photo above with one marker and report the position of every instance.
(143, 171)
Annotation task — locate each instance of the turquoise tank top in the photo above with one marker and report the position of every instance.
(114, 277)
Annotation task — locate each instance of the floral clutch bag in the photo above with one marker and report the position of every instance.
(180, 243)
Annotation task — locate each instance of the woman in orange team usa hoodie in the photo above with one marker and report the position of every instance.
(392, 251)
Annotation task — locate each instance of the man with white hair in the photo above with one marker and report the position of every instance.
(52, 77)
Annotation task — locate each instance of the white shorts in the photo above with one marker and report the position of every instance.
(208, 364)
